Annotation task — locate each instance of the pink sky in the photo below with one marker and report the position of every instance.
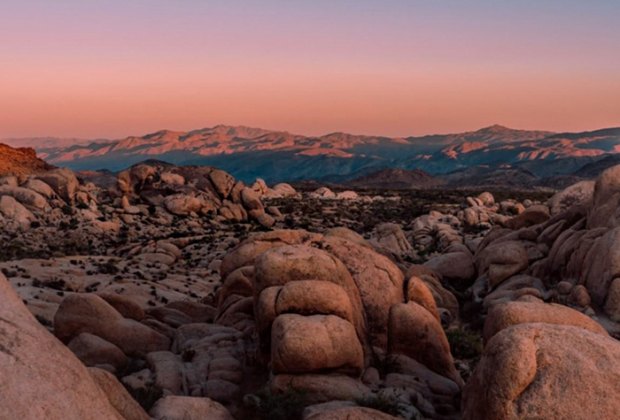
(82, 69)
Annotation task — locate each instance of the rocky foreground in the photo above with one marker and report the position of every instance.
(180, 293)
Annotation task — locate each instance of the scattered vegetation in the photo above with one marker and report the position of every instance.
(464, 344)
(384, 403)
(285, 406)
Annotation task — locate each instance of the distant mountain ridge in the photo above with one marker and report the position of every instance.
(248, 152)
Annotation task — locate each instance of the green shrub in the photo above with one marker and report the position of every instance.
(464, 344)
(285, 406)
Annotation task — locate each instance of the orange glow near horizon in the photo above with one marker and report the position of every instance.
(405, 71)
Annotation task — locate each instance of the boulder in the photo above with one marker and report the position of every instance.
(314, 297)
(456, 268)
(279, 266)
(391, 238)
(501, 260)
(118, 395)
(125, 305)
(39, 374)
(222, 181)
(63, 181)
(320, 388)
(379, 281)
(419, 292)
(580, 193)
(15, 212)
(612, 304)
(79, 313)
(533, 215)
(282, 190)
(323, 193)
(305, 344)
(347, 195)
(182, 204)
(174, 407)
(503, 316)
(95, 351)
(348, 413)
(251, 199)
(545, 371)
(605, 209)
(416, 333)
(171, 178)
(487, 199)
(25, 196)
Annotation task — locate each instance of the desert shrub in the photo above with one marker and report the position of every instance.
(464, 344)
(384, 403)
(146, 396)
(285, 406)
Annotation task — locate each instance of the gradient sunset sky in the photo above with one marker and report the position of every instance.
(85, 68)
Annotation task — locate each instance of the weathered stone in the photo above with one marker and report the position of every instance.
(305, 344)
(189, 408)
(513, 313)
(545, 371)
(89, 313)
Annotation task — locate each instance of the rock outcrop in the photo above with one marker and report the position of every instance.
(40, 375)
(541, 370)
(325, 308)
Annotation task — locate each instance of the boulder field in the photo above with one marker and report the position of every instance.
(217, 305)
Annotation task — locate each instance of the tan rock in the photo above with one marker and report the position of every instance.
(416, 333)
(63, 181)
(379, 281)
(487, 199)
(222, 181)
(95, 351)
(606, 200)
(455, 267)
(189, 408)
(320, 388)
(545, 371)
(125, 305)
(183, 204)
(279, 266)
(391, 238)
(503, 316)
(502, 260)
(533, 215)
(172, 178)
(25, 196)
(15, 212)
(39, 374)
(247, 251)
(580, 193)
(314, 297)
(420, 293)
(612, 304)
(251, 199)
(117, 395)
(89, 313)
(349, 413)
(305, 344)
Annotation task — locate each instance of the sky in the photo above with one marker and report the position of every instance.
(113, 68)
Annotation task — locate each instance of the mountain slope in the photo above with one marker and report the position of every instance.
(395, 179)
(20, 161)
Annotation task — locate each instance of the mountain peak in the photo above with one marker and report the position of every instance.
(496, 128)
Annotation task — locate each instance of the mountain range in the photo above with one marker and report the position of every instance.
(275, 156)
